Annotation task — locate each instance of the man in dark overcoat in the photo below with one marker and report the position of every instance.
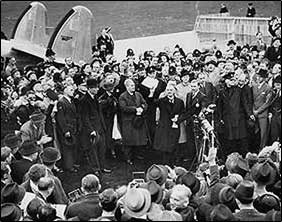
(133, 126)
(168, 129)
(234, 113)
(93, 126)
(109, 105)
(67, 128)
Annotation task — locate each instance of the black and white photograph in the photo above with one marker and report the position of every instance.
(140, 111)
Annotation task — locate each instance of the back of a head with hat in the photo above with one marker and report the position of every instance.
(266, 202)
(264, 173)
(157, 173)
(37, 171)
(222, 213)
(245, 192)
(10, 212)
(108, 199)
(12, 193)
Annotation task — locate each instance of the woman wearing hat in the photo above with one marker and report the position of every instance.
(273, 53)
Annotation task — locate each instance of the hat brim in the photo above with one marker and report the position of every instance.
(21, 194)
(145, 208)
(43, 158)
(29, 152)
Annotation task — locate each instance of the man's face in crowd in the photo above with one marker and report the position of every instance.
(178, 70)
(231, 47)
(170, 90)
(276, 68)
(176, 56)
(178, 200)
(17, 75)
(154, 61)
(68, 61)
(69, 91)
(130, 86)
(194, 87)
(263, 66)
(13, 61)
(87, 69)
(93, 91)
(229, 67)
(254, 54)
(164, 58)
(242, 80)
(211, 67)
(261, 54)
(96, 67)
(185, 79)
(201, 78)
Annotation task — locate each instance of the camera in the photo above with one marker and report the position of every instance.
(74, 195)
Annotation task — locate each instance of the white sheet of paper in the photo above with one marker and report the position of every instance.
(60, 208)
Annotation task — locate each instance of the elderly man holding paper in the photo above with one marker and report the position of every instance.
(133, 129)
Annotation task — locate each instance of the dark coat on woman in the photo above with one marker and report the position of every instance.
(273, 55)
(166, 136)
(132, 136)
(233, 109)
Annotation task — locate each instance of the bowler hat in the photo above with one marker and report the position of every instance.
(12, 193)
(263, 173)
(37, 117)
(136, 202)
(92, 83)
(204, 211)
(50, 155)
(211, 62)
(231, 42)
(227, 196)
(157, 173)
(137, 121)
(196, 53)
(155, 190)
(12, 140)
(221, 213)
(266, 202)
(245, 191)
(191, 181)
(129, 52)
(184, 72)
(10, 212)
(49, 52)
(214, 192)
(262, 73)
(29, 147)
(218, 54)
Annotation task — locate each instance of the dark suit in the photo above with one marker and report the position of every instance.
(19, 169)
(131, 135)
(85, 208)
(209, 91)
(273, 55)
(233, 110)
(166, 138)
(262, 100)
(249, 215)
(92, 120)
(275, 125)
(67, 121)
(109, 104)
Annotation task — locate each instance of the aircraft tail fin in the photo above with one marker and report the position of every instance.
(73, 35)
(31, 25)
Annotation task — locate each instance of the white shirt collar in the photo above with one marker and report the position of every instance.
(91, 95)
(68, 98)
(27, 158)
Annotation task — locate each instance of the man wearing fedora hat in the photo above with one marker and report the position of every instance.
(34, 129)
(10, 212)
(29, 151)
(12, 193)
(244, 194)
(93, 125)
(13, 141)
(262, 94)
(67, 128)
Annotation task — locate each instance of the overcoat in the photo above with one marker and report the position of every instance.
(131, 135)
(233, 108)
(166, 136)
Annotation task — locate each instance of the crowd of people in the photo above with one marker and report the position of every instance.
(56, 118)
